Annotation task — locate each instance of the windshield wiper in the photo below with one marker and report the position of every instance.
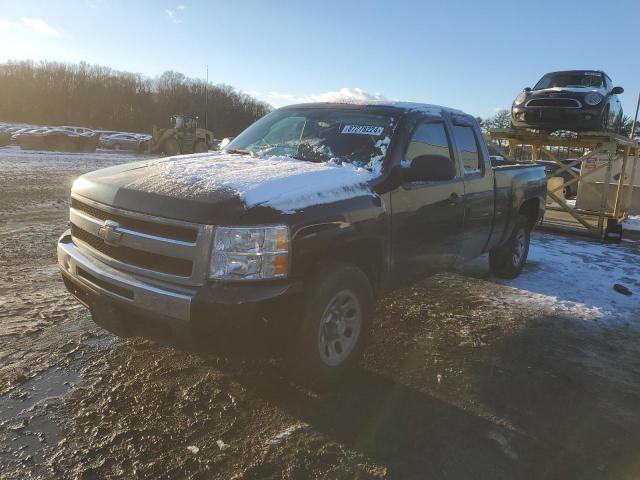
(242, 151)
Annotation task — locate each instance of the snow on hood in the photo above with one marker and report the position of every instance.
(283, 183)
(601, 91)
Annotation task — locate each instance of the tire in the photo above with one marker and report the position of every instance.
(335, 324)
(200, 147)
(508, 260)
(171, 147)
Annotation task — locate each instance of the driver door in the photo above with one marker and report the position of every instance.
(427, 216)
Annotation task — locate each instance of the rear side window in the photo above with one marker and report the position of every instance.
(468, 145)
(428, 139)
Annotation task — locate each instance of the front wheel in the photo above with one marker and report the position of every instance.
(604, 120)
(171, 147)
(334, 327)
(507, 261)
(619, 125)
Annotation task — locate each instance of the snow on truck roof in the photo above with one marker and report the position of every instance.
(404, 106)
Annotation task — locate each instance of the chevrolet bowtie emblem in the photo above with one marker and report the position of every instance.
(109, 233)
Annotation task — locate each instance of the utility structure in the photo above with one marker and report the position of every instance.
(601, 205)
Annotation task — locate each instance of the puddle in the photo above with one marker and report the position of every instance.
(26, 425)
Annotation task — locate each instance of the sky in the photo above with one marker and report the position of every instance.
(472, 55)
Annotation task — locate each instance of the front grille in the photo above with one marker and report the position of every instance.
(131, 256)
(554, 102)
(173, 232)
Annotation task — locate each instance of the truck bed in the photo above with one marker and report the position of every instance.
(514, 182)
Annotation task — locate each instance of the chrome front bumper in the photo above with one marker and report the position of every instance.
(124, 288)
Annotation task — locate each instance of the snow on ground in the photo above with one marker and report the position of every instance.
(282, 183)
(14, 160)
(632, 222)
(575, 277)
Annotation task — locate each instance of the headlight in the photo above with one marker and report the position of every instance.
(250, 253)
(592, 99)
(520, 98)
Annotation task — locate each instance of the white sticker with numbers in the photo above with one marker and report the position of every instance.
(363, 130)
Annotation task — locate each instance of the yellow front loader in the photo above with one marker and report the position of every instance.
(184, 136)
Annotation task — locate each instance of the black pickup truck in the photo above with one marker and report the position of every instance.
(304, 218)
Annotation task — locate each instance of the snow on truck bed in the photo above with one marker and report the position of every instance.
(283, 183)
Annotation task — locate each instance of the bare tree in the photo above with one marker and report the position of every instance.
(52, 93)
(502, 119)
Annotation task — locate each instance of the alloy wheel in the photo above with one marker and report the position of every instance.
(340, 327)
(519, 247)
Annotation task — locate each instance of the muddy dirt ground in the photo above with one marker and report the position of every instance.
(465, 377)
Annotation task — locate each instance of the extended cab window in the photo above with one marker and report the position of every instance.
(428, 139)
(468, 146)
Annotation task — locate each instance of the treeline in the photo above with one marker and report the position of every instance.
(51, 93)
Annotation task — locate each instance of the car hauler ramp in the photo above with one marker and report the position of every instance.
(608, 175)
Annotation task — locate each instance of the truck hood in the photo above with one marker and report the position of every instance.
(218, 188)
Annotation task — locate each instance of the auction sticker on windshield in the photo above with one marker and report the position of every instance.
(362, 129)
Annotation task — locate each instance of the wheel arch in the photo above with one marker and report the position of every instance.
(365, 254)
(531, 209)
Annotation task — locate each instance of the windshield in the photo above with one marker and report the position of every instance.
(571, 79)
(319, 135)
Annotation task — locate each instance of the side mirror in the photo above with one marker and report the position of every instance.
(527, 89)
(617, 90)
(225, 141)
(430, 168)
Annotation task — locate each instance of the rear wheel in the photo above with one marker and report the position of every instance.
(507, 261)
(567, 192)
(334, 327)
(200, 147)
(171, 146)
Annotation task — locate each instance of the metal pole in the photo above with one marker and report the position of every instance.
(635, 119)
(605, 190)
(620, 187)
(633, 176)
(206, 101)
